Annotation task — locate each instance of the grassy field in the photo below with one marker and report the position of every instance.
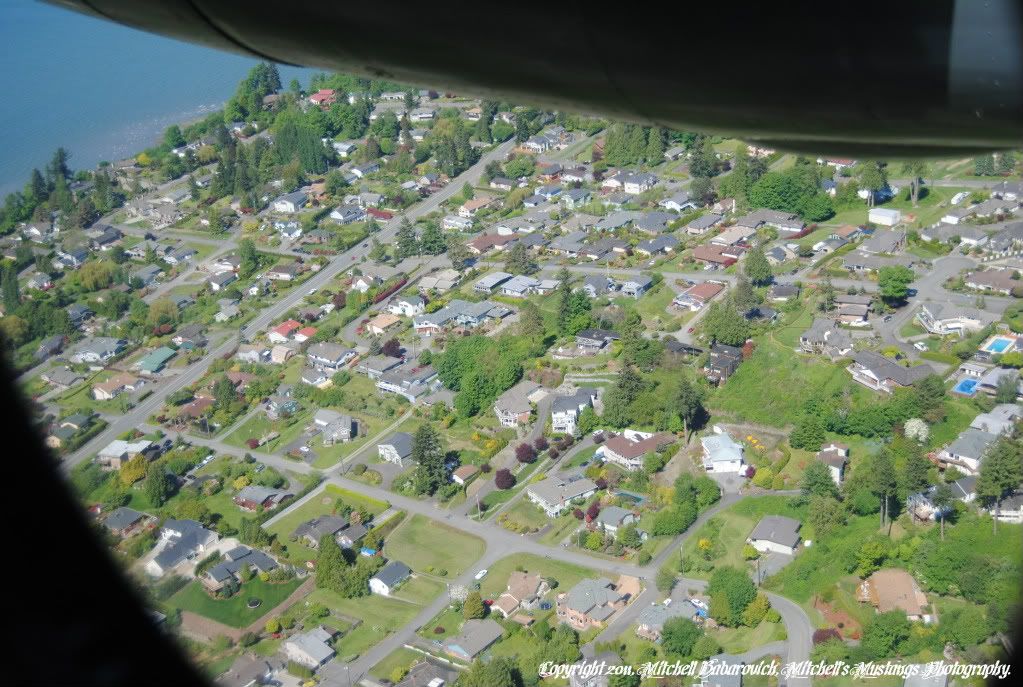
(426, 545)
(419, 590)
(524, 515)
(233, 611)
(771, 386)
(560, 528)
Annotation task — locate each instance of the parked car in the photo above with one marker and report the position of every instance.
(481, 574)
(920, 346)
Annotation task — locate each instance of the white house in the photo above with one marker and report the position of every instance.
(409, 306)
(290, 203)
(555, 493)
(775, 533)
(721, 453)
(389, 577)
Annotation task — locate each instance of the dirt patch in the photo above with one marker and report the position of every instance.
(839, 619)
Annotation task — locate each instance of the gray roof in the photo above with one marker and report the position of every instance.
(313, 644)
(476, 636)
(122, 517)
(401, 441)
(1000, 419)
(889, 369)
(777, 529)
(516, 399)
(972, 443)
(555, 490)
(192, 534)
(655, 615)
(612, 516)
(393, 573)
(317, 528)
(727, 680)
(593, 597)
(884, 241)
(258, 494)
(238, 558)
(704, 221)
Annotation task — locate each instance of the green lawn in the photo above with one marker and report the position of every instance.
(420, 590)
(524, 515)
(449, 620)
(560, 528)
(233, 611)
(742, 639)
(426, 545)
(399, 658)
(383, 613)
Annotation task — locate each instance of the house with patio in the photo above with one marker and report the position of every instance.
(879, 373)
(628, 449)
(967, 451)
(515, 406)
(590, 603)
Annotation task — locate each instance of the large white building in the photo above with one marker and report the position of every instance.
(721, 453)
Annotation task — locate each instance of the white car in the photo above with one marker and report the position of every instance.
(312, 291)
(920, 346)
(481, 574)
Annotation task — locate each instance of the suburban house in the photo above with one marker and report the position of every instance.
(375, 366)
(463, 474)
(118, 452)
(383, 322)
(285, 271)
(968, 450)
(246, 671)
(565, 410)
(221, 279)
(235, 561)
(635, 286)
(613, 518)
(523, 591)
(630, 447)
(999, 420)
(123, 521)
(836, 457)
(721, 453)
(721, 256)
(97, 350)
(722, 362)
(180, 540)
(590, 603)
(410, 381)
(734, 236)
(879, 373)
(409, 306)
(946, 318)
(514, 407)
(782, 293)
(284, 331)
(334, 427)
(595, 285)
(702, 224)
(555, 493)
(893, 589)
(389, 577)
(490, 282)
(311, 649)
(115, 386)
(253, 497)
(475, 637)
(775, 534)
(652, 618)
(396, 448)
(698, 295)
(885, 241)
(989, 381)
(327, 355)
(825, 337)
(290, 203)
(312, 531)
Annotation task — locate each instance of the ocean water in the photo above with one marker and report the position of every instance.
(101, 90)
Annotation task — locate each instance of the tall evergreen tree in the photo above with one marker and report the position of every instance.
(407, 243)
(9, 288)
(430, 472)
(757, 268)
(1001, 473)
(655, 146)
(883, 481)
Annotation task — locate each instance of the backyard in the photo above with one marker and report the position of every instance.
(233, 611)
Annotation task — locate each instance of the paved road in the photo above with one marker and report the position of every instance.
(274, 311)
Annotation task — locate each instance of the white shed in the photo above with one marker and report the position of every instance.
(884, 216)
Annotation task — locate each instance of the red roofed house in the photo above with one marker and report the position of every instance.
(304, 334)
(325, 97)
(718, 255)
(481, 244)
(283, 331)
(628, 448)
(196, 408)
(697, 296)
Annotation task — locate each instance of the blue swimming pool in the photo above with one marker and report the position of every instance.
(966, 387)
(998, 344)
